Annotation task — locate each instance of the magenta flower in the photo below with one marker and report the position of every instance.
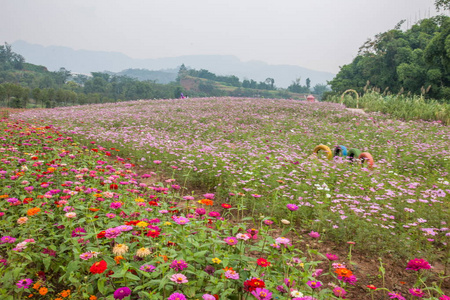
(147, 268)
(416, 292)
(208, 297)
(112, 233)
(314, 235)
(179, 278)
(332, 257)
(177, 296)
(262, 294)
(339, 292)
(289, 283)
(200, 211)
(231, 240)
(178, 265)
(7, 239)
(418, 264)
(444, 297)
(77, 232)
(292, 207)
(24, 283)
(314, 284)
(396, 296)
(122, 292)
(115, 205)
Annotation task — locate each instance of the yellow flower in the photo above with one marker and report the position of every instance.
(216, 260)
(139, 200)
(142, 224)
(167, 223)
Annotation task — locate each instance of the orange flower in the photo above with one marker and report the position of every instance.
(4, 196)
(118, 259)
(94, 209)
(92, 297)
(206, 202)
(30, 295)
(51, 170)
(43, 291)
(65, 293)
(343, 272)
(37, 285)
(33, 211)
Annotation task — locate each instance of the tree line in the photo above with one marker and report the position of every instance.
(412, 61)
(25, 85)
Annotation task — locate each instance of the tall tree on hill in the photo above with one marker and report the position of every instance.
(442, 4)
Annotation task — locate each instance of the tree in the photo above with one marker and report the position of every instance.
(270, 82)
(442, 4)
(308, 83)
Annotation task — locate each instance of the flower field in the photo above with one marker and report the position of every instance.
(78, 221)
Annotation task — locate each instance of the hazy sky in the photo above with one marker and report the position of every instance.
(316, 34)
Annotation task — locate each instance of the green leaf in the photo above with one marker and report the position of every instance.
(101, 285)
(132, 276)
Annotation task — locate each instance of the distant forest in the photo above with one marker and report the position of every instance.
(415, 61)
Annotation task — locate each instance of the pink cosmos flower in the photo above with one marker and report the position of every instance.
(292, 207)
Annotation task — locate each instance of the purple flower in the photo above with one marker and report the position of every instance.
(210, 270)
(289, 283)
(314, 284)
(177, 296)
(208, 297)
(178, 265)
(24, 283)
(262, 294)
(317, 273)
(418, 264)
(122, 292)
(147, 268)
(444, 297)
(181, 220)
(112, 233)
(292, 207)
(281, 289)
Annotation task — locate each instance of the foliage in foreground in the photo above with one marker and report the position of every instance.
(85, 228)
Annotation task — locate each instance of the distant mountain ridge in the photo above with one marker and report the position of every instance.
(85, 61)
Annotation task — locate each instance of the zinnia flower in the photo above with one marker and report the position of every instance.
(292, 207)
(416, 292)
(143, 252)
(339, 292)
(178, 265)
(120, 249)
(179, 278)
(314, 284)
(122, 292)
(262, 294)
(99, 267)
(147, 268)
(24, 283)
(263, 262)
(176, 296)
(231, 240)
(418, 264)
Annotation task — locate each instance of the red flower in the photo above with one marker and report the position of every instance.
(99, 267)
(101, 234)
(253, 284)
(133, 222)
(225, 205)
(153, 203)
(113, 186)
(372, 287)
(263, 262)
(153, 233)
